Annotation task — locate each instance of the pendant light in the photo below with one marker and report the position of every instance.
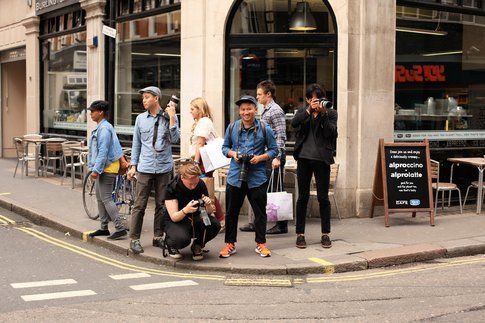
(302, 18)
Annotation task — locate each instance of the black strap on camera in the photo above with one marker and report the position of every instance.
(155, 128)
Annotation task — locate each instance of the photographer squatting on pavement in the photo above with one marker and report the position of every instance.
(186, 215)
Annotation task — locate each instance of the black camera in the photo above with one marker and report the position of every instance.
(175, 100)
(244, 161)
(203, 212)
(200, 202)
(325, 103)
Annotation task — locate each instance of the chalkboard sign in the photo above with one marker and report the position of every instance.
(403, 179)
(407, 177)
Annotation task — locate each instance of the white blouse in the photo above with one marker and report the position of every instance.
(204, 128)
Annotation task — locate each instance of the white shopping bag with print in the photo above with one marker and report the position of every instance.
(279, 205)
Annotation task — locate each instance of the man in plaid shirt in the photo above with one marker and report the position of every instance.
(274, 116)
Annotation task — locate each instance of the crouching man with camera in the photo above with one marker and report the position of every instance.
(250, 143)
(187, 213)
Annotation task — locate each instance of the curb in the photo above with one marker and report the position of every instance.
(340, 264)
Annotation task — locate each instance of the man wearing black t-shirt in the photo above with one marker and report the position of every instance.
(184, 218)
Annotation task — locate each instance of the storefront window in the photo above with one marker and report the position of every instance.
(291, 69)
(440, 74)
(147, 53)
(65, 80)
(268, 40)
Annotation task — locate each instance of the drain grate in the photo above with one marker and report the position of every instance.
(258, 282)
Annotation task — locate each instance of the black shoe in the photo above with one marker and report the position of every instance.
(277, 230)
(300, 241)
(99, 233)
(326, 242)
(157, 242)
(136, 247)
(197, 252)
(173, 253)
(118, 235)
(247, 227)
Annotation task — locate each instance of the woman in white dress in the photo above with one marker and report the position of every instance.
(203, 131)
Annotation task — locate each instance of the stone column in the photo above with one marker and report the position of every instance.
(31, 25)
(95, 55)
(365, 90)
(202, 61)
(192, 69)
(377, 65)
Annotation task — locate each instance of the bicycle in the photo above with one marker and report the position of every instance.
(123, 195)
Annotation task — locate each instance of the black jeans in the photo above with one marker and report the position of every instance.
(305, 169)
(234, 201)
(180, 233)
(144, 184)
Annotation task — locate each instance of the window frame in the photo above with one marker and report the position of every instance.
(44, 36)
(275, 40)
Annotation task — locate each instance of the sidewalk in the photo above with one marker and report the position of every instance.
(358, 243)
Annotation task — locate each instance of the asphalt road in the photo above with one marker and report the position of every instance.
(48, 276)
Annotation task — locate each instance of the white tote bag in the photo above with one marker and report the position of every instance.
(279, 205)
(212, 156)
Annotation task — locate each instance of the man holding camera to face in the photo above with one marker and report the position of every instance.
(188, 207)
(316, 132)
(250, 143)
(151, 157)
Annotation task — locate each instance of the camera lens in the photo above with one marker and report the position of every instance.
(326, 103)
(175, 99)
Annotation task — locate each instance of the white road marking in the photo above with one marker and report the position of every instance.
(130, 276)
(179, 283)
(44, 283)
(42, 297)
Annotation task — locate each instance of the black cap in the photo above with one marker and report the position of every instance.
(99, 105)
(248, 99)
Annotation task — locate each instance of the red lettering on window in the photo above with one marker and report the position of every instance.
(420, 73)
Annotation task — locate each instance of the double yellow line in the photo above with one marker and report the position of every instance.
(6, 221)
(394, 272)
(269, 282)
(103, 259)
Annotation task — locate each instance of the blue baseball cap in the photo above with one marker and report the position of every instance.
(248, 99)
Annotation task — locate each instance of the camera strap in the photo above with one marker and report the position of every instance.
(155, 132)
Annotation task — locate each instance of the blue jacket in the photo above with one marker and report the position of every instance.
(104, 147)
(246, 142)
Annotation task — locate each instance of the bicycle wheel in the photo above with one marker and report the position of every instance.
(90, 202)
(124, 196)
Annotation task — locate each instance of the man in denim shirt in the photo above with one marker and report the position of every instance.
(242, 139)
(151, 157)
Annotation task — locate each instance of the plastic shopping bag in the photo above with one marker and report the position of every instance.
(279, 205)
